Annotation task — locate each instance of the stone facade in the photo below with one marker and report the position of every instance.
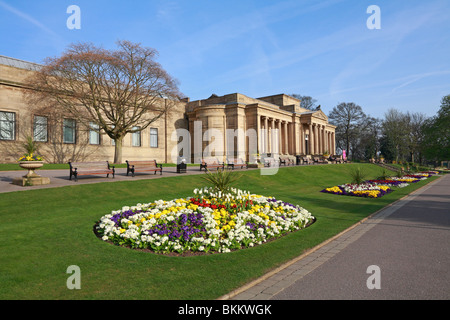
(232, 125)
(153, 142)
(276, 125)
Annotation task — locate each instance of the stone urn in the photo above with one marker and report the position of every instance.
(31, 166)
(31, 178)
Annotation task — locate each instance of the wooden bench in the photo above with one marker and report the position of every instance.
(90, 168)
(143, 166)
(211, 163)
(319, 159)
(236, 163)
(287, 161)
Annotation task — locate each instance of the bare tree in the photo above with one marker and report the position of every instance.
(349, 119)
(121, 91)
(306, 102)
(415, 123)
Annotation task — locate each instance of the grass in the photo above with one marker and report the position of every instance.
(45, 231)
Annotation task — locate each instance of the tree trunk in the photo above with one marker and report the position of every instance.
(118, 151)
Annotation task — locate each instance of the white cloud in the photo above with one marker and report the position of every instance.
(28, 18)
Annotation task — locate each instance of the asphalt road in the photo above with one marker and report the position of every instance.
(403, 256)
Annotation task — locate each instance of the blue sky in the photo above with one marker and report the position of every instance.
(323, 49)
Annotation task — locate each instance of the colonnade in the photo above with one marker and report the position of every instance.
(320, 140)
(287, 137)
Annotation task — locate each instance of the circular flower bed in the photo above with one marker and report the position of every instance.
(211, 221)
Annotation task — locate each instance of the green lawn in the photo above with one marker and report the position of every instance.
(45, 231)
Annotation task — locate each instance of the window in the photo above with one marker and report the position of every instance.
(153, 138)
(136, 137)
(94, 133)
(7, 125)
(40, 129)
(69, 131)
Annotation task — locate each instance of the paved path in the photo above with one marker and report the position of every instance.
(60, 178)
(408, 241)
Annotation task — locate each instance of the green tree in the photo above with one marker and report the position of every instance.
(436, 133)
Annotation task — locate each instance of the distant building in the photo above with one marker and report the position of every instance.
(281, 126)
(274, 124)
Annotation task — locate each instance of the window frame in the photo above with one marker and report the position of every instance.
(74, 131)
(137, 135)
(46, 128)
(153, 135)
(13, 123)
(95, 130)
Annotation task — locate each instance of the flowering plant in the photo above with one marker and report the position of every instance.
(30, 147)
(30, 157)
(211, 221)
(377, 188)
(360, 190)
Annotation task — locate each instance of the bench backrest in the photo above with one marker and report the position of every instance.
(90, 165)
(211, 161)
(236, 161)
(146, 163)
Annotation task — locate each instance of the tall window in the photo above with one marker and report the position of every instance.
(7, 125)
(94, 133)
(136, 137)
(153, 137)
(69, 131)
(40, 129)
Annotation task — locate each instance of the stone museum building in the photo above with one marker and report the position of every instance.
(233, 125)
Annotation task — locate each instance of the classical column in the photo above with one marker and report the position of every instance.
(329, 142)
(269, 136)
(286, 145)
(279, 138)
(310, 140)
(303, 150)
(322, 131)
(266, 135)
(258, 134)
(315, 138)
(333, 142)
(319, 139)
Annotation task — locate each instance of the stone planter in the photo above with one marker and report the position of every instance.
(31, 178)
(31, 166)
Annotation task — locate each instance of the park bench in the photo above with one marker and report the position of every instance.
(236, 163)
(318, 160)
(286, 160)
(270, 162)
(143, 166)
(307, 160)
(90, 168)
(211, 163)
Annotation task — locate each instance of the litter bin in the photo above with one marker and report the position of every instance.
(181, 168)
(298, 158)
